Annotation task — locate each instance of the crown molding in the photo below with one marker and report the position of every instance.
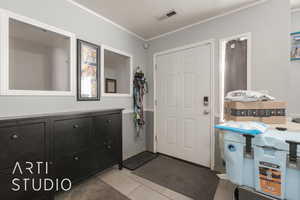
(170, 32)
(105, 19)
(209, 19)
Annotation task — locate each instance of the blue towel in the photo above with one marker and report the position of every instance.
(249, 128)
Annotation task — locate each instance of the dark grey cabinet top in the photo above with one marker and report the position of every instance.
(62, 114)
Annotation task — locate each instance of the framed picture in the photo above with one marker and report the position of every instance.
(88, 71)
(295, 51)
(110, 85)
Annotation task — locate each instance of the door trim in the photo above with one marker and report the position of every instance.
(222, 42)
(212, 89)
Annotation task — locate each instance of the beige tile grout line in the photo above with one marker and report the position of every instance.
(127, 195)
(134, 189)
(129, 175)
(142, 184)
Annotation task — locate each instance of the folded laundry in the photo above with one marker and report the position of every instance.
(247, 95)
(251, 128)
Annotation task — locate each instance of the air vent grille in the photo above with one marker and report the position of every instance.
(167, 15)
(171, 13)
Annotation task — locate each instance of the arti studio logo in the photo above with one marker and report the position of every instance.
(27, 170)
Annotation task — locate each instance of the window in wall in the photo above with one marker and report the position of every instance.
(234, 66)
(39, 60)
(117, 73)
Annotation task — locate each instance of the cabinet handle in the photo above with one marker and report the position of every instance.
(14, 137)
(76, 158)
(108, 146)
(109, 121)
(75, 126)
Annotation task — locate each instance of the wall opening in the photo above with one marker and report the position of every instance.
(117, 73)
(39, 59)
(235, 56)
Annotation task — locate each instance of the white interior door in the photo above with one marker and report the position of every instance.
(183, 122)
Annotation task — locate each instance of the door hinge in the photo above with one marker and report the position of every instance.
(156, 139)
(155, 102)
(155, 66)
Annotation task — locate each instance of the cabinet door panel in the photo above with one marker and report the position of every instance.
(72, 135)
(24, 142)
(103, 159)
(24, 192)
(108, 134)
(74, 167)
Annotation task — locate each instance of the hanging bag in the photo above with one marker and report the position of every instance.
(140, 87)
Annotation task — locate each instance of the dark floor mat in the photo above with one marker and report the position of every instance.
(197, 182)
(139, 160)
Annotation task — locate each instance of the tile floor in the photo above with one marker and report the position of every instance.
(137, 188)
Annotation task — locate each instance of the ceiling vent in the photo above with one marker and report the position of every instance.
(167, 15)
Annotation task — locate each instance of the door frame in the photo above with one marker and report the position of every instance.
(212, 95)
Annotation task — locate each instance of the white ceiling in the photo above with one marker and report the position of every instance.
(140, 16)
(295, 3)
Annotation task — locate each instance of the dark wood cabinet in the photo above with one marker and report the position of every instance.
(106, 139)
(22, 142)
(75, 146)
(75, 166)
(6, 185)
(71, 135)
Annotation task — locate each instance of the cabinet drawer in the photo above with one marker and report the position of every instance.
(22, 143)
(6, 186)
(105, 158)
(75, 166)
(71, 135)
(108, 132)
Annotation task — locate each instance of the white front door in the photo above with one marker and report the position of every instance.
(183, 122)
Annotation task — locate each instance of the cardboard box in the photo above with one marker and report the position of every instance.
(269, 112)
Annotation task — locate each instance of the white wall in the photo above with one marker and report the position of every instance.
(124, 77)
(60, 68)
(269, 24)
(35, 66)
(63, 14)
(30, 65)
(294, 73)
